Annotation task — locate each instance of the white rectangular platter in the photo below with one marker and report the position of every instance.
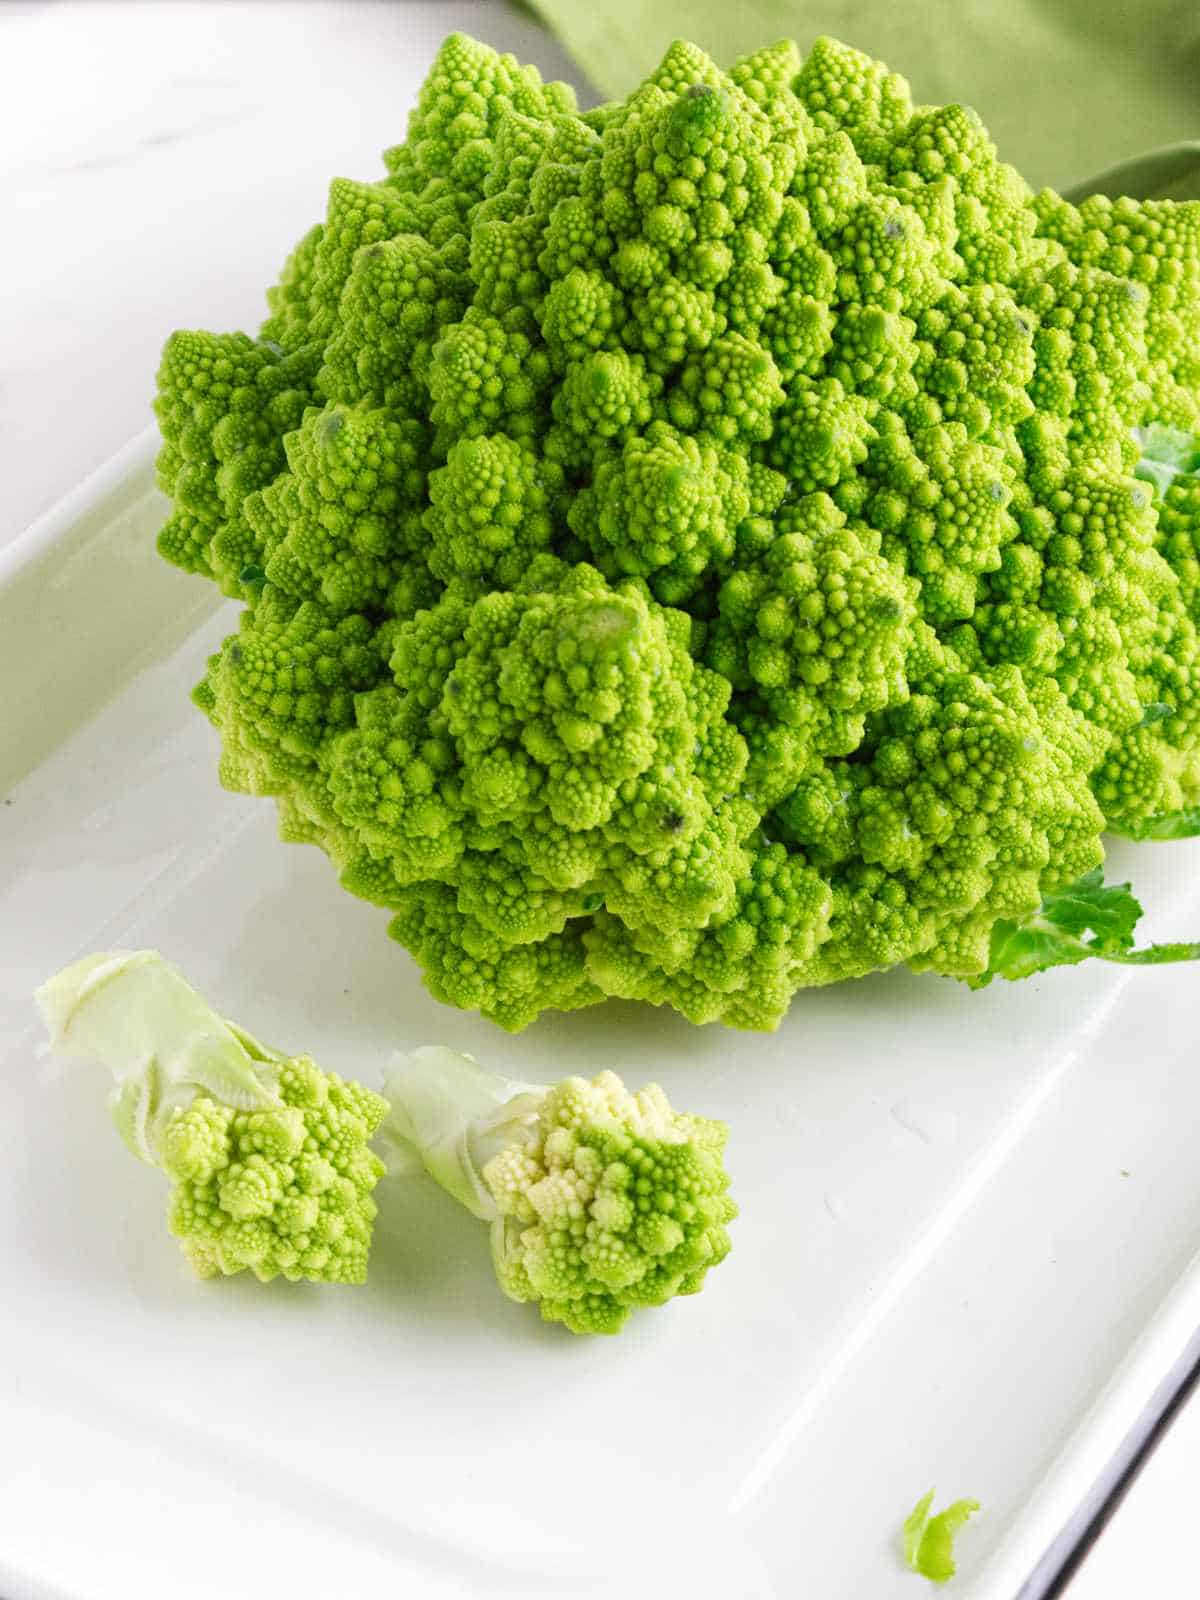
(962, 1259)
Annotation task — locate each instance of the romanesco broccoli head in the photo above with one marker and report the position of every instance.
(745, 506)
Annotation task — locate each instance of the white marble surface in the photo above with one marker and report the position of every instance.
(156, 163)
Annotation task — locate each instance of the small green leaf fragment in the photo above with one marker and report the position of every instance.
(929, 1540)
(1155, 711)
(914, 1527)
(1175, 447)
(1167, 454)
(1157, 473)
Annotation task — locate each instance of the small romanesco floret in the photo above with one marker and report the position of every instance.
(599, 1200)
(735, 540)
(267, 1155)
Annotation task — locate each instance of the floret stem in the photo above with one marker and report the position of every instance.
(451, 1115)
(136, 1014)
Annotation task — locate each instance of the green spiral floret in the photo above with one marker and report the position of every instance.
(268, 1156)
(600, 1201)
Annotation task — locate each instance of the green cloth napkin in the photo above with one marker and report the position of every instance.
(1172, 173)
(1067, 88)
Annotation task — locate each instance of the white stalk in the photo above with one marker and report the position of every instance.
(137, 1015)
(452, 1116)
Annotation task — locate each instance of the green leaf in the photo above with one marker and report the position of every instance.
(1156, 955)
(1054, 935)
(929, 1540)
(1109, 911)
(1167, 454)
(1020, 952)
(1177, 447)
(1170, 825)
(1155, 711)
